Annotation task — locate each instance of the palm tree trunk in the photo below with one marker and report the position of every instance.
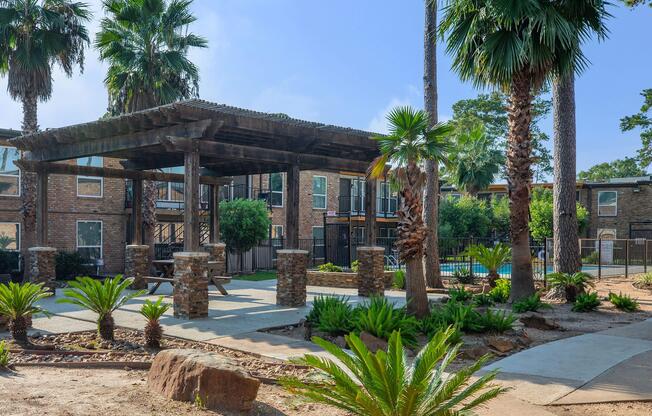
(566, 251)
(150, 196)
(431, 203)
(519, 176)
(105, 326)
(28, 181)
(18, 329)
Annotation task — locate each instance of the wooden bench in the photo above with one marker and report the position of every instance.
(218, 281)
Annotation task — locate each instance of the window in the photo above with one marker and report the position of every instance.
(276, 189)
(607, 203)
(387, 199)
(277, 235)
(9, 173)
(9, 236)
(171, 191)
(358, 235)
(357, 195)
(90, 186)
(318, 242)
(319, 192)
(89, 239)
(386, 232)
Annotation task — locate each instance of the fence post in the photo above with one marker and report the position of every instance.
(545, 263)
(626, 259)
(645, 257)
(471, 260)
(599, 258)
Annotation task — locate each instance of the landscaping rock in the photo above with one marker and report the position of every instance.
(538, 321)
(476, 351)
(340, 341)
(501, 344)
(373, 343)
(191, 375)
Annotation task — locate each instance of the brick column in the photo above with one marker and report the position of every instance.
(137, 265)
(42, 261)
(371, 271)
(190, 285)
(291, 268)
(217, 252)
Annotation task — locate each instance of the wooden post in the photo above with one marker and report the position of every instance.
(191, 199)
(137, 212)
(292, 209)
(214, 209)
(41, 207)
(370, 212)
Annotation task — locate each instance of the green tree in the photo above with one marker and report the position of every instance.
(243, 224)
(643, 121)
(518, 46)
(619, 168)
(541, 211)
(465, 217)
(634, 3)
(35, 35)
(410, 142)
(146, 44)
(474, 161)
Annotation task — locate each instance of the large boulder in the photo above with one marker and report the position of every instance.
(199, 377)
(538, 321)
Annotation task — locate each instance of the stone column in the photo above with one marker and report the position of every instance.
(190, 285)
(217, 252)
(371, 271)
(291, 269)
(42, 262)
(137, 265)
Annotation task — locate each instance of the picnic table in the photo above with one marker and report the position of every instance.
(165, 269)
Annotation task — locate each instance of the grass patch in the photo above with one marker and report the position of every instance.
(258, 276)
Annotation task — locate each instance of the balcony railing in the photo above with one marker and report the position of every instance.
(354, 206)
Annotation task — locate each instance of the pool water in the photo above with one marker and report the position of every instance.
(504, 270)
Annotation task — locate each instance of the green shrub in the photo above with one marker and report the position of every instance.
(463, 275)
(329, 267)
(572, 284)
(244, 223)
(399, 279)
(355, 266)
(586, 302)
(70, 265)
(644, 280)
(336, 319)
(457, 314)
(491, 258)
(320, 303)
(495, 321)
(459, 294)
(592, 258)
(4, 354)
(531, 303)
(380, 318)
(623, 302)
(435, 323)
(500, 293)
(152, 311)
(18, 302)
(386, 384)
(483, 299)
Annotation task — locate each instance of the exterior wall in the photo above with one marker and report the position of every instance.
(634, 205)
(342, 279)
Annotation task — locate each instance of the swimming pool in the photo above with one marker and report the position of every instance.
(448, 269)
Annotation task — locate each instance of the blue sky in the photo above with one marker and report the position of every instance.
(348, 62)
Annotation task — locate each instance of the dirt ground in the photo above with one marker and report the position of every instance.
(604, 409)
(75, 392)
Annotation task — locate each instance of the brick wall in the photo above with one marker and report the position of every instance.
(634, 205)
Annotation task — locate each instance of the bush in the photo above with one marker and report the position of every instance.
(321, 303)
(643, 280)
(623, 302)
(435, 323)
(500, 293)
(380, 318)
(541, 213)
(152, 311)
(483, 299)
(572, 284)
(329, 267)
(463, 275)
(71, 265)
(355, 266)
(336, 319)
(491, 258)
(243, 224)
(457, 314)
(592, 258)
(465, 216)
(531, 303)
(586, 302)
(4, 354)
(18, 302)
(499, 321)
(399, 279)
(459, 294)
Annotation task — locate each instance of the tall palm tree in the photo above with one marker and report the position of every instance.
(34, 35)
(146, 43)
(410, 142)
(519, 46)
(475, 162)
(431, 201)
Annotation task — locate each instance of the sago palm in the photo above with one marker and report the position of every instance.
(519, 46)
(152, 311)
(408, 145)
(35, 35)
(572, 284)
(384, 384)
(103, 298)
(18, 304)
(491, 258)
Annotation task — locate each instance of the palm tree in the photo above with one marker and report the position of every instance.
(431, 201)
(19, 303)
(518, 46)
(34, 35)
(474, 162)
(146, 44)
(410, 142)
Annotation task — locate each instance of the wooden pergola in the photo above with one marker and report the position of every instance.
(211, 141)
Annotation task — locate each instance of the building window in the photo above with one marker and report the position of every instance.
(387, 199)
(89, 239)
(277, 235)
(9, 173)
(357, 195)
(358, 235)
(318, 242)
(276, 189)
(171, 191)
(387, 232)
(607, 203)
(90, 186)
(319, 192)
(9, 236)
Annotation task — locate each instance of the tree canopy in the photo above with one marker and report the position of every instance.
(243, 223)
(541, 211)
(643, 121)
(619, 168)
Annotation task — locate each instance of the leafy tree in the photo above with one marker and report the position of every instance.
(490, 111)
(410, 142)
(35, 35)
(465, 217)
(619, 168)
(243, 224)
(642, 120)
(500, 212)
(634, 3)
(519, 46)
(541, 211)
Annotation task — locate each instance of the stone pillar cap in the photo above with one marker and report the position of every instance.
(137, 246)
(190, 254)
(214, 244)
(371, 248)
(41, 249)
(292, 251)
